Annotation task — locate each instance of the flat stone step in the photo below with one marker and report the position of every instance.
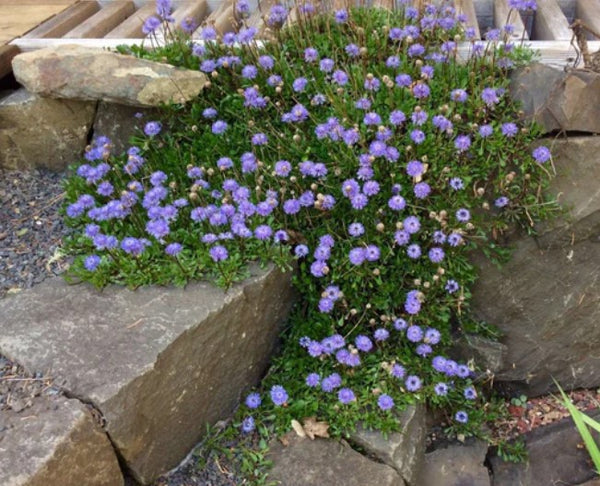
(159, 363)
(55, 442)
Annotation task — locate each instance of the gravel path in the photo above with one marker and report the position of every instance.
(30, 228)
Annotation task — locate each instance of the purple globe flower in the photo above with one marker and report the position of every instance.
(441, 389)
(385, 402)
(278, 395)
(422, 190)
(501, 202)
(152, 128)
(400, 324)
(398, 371)
(357, 256)
(91, 263)
(414, 334)
(397, 203)
(413, 251)
(452, 286)
(313, 380)
(462, 143)
(402, 237)
(413, 383)
(463, 215)
(331, 382)
(218, 253)
(346, 395)
(219, 127)
(325, 305)
(470, 393)
(356, 229)
(381, 334)
(248, 425)
(253, 400)
(363, 343)
(541, 154)
(461, 416)
(436, 255)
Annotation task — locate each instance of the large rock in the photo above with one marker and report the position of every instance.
(558, 100)
(108, 76)
(120, 123)
(456, 465)
(158, 363)
(546, 299)
(403, 450)
(325, 462)
(554, 456)
(55, 443)
(42, 132)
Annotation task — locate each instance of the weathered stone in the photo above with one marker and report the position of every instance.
(546, 299)
(108, 76)
(55, 443)
(558, 100)
(120, 123)
(42, 132)
(159, 363)
(488, 354)
(403, 450)
(325, 462)
(555, 456)
(456, 465)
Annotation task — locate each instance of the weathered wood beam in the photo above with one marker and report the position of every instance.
(550, 23)
(132, 26)
(504, 15)
(64, 21)
(102, 22)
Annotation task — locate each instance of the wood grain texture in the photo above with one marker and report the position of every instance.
(101, 23)
(504, 15)
(222, 18)
(589, 12)
(16, 20)
(550, 23)
(467, 8)
(65, 21)
(195, 11)
(131, 27)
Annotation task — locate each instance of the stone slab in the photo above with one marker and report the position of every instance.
(546, 299)
(403, 450)
(120, 122)
(558, 100)
(43, 132)
(326, 462)
(555, 456)
(56, 72)
(159, 363)
(55, 442)
(456, 465)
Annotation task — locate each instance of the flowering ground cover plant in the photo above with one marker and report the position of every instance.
(357, 144)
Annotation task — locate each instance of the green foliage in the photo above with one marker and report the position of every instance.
(494, 178)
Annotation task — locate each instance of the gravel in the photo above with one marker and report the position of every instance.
(31, 229)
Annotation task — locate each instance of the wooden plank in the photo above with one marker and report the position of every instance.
(36, 3)
(102, 22)
(222, 18)
(550, 23)
(66, 20)
(257, 19)
(385, 4)
(6, 56)
(467, 8)
(589, 12)
(504, 15)
(16, 20)
(131, 27)
(195, 11)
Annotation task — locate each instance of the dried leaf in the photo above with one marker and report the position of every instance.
(313, 428)
(298, 428)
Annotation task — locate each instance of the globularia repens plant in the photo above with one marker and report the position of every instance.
(363, 146)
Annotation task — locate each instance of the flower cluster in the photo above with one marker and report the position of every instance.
(376, 162)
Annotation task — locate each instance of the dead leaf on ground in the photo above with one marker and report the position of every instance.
(314, 428)
(298, 428)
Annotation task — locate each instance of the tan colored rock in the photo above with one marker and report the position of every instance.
(43, 132)
(55, 443)
(159, 363)
(57, 72)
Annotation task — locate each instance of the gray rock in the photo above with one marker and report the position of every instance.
(403, 450)
(325, 462)
(456, 465)
(546, 299)
(555, 456)
(486, 353)
(159, 363)
(42, 132)
(55, 443)
(120, 123)
(558, 100)
(108, 76)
